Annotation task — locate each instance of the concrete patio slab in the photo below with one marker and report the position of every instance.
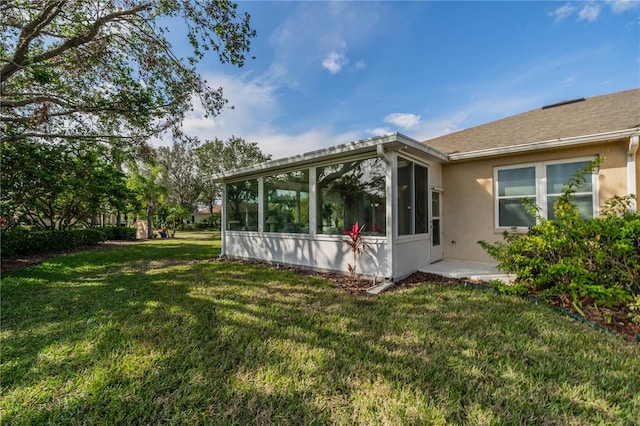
(477, 271)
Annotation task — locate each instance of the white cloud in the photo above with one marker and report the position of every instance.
(251, 101)
(484, 108)
(562, 12)
(378, 131)
(621, 6)
(360, 64)
(255, 108)
(252, 105)
(323, 35)
(334, 62)
(439, 126)
(282, 145)
(590, 12)
(420, 129)
(429, 129)
(279, 75)
(405, 121)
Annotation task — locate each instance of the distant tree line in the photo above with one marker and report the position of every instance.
(85, 84)
(76, 184)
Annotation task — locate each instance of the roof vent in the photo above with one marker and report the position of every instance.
(571, 101)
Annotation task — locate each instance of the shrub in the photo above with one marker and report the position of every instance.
(12, 240)
(593, 259)
(119, 233)
(634, 310)
(357, 245)
(213, 222)
(21, 241)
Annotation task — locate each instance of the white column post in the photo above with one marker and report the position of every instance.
(223, 225)
(261, 204)
(313, 201)
(634, 142)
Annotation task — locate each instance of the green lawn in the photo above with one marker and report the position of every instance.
(158, 333)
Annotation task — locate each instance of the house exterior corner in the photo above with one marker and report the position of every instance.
(471, 210)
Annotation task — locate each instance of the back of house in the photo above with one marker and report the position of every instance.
(493, 167)
(422, 202)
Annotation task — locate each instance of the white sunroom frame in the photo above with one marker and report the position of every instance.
(389, 257)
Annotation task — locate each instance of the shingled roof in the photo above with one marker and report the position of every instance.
(580, 117)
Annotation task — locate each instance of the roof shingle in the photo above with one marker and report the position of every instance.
(594, 115)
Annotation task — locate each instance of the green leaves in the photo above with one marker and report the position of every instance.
(105, 68)
(597, 260)
(43, 75)
(60, 184)
(23, 241)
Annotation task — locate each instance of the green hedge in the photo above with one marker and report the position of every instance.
(119, 233)
(22, 241)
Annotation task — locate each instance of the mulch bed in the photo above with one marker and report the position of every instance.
(613, 320)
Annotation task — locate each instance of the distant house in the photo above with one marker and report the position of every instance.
(203, 214)
(425, 201)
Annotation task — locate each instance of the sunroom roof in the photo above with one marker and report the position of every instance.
(388, 141)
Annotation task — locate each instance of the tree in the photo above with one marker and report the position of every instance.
(180, 177)
(57, 186)
(208, 157)
(98, 69)
(238, 153)
(217, 156)
(176, 214)
(145, 183)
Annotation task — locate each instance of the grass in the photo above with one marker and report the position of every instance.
(159, 333)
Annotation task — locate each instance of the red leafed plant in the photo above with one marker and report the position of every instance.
(357, 245)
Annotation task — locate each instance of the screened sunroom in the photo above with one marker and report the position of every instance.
(292, 211)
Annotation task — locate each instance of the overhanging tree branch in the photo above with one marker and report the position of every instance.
(28, 33)
(52, 136)
(109, 64)
(29, 101)
(33, 29)
(88, 35)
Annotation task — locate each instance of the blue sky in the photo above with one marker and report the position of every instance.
(328, 73)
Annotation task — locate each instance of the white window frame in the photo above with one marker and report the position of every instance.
(541, 187)
(413, 234)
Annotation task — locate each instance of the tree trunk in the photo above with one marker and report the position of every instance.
(149, 220)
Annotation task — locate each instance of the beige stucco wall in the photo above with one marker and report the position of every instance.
(141, 229)
(468, 213)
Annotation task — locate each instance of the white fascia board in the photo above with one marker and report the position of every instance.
(422, 148)
(549, 144)
(390, 140)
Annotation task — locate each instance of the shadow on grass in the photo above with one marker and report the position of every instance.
(150, 336)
